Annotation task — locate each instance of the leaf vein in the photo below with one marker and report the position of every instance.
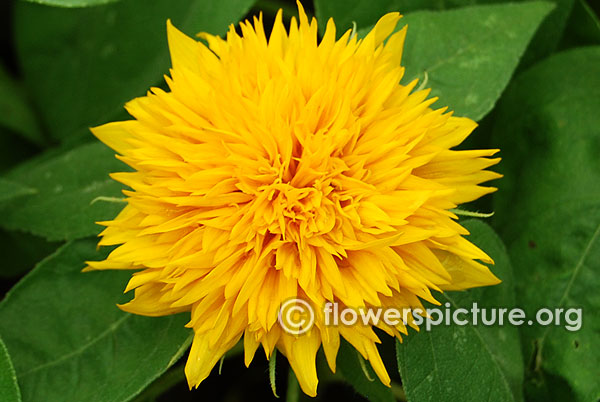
(79, 350)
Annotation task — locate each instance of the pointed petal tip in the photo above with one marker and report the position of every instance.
(88, 268)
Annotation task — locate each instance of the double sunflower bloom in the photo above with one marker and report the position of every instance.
(287, 167)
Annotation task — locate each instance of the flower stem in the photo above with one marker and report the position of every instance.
(293, 388)
(398, 392)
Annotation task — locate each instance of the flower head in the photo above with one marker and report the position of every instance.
(290, 167)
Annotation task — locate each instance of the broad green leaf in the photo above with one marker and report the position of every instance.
(15, 111)
(21, 251)
(67, 185)
(549, 33)
(70, 342)
(548, 207)
(471, 362)
(583, 27)
(468, 55)
(10, 190)
(71, 3)
(9, 389)
(14, 149)
(349, 365)
(365, 14)
(82, 65)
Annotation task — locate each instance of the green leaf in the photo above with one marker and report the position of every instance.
(549, 33)
(365, 14)
(21, 251)
(70, 342)
(72, 3)
(15, 111)
(9, 389)
(471, 362)
(14, 149)
(468, 55)
(548, 207)
(350, 367)
(66, 186)
(10, 190)
(583, 27)
(82, 65)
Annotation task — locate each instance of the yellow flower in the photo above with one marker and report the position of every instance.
(288, 167)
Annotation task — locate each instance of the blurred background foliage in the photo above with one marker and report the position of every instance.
(529, 72)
